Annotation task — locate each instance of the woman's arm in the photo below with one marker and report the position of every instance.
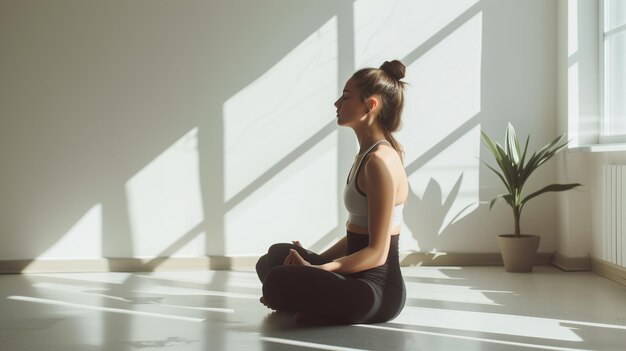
(381, 201)
(337, 250)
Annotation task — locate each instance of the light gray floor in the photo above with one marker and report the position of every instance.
(448, 308)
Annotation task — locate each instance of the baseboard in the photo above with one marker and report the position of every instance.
(609, 270)
(237, 263)
(462, 259)
(571, 264)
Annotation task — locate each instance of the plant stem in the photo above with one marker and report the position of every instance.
(517, 213)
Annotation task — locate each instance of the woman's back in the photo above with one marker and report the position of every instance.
(357, 186)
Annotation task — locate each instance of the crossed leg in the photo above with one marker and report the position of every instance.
(312, 291)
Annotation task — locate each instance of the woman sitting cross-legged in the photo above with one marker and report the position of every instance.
(357, 280)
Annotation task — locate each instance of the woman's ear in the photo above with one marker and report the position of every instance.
(372, 104)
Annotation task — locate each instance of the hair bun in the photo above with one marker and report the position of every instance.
(394, 68)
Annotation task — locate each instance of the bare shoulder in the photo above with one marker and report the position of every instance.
(385, 168)
(385, 159)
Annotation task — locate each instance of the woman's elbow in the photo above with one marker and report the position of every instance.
(380, 259)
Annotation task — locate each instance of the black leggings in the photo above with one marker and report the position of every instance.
(365, 297)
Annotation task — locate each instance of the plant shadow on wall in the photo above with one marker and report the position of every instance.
(433, 216)
(426, 215)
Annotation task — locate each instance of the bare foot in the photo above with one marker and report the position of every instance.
(264, 302)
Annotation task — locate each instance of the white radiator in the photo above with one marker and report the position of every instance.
(613, 210)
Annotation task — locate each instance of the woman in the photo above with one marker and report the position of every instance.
(357, 280)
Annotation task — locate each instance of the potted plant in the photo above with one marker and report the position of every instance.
(518, 250)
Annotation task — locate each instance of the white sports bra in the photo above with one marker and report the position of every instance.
(356, 201)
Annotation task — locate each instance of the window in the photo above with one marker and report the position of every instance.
(613, 71)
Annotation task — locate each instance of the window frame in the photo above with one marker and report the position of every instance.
(603, 136)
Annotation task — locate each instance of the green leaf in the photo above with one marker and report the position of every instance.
(524, 154)
(552, 187)
(512, 145)
(499, 175)
(506, 197)
(490, 145)
(509, 199)
(501, 159)
(540, 157)
(550, 153)
(507, 167)
(544, 154)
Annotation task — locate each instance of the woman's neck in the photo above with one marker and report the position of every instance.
(366, 140)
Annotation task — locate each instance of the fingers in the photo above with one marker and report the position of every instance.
(292, 258)
(288, 259)
(297, 259)
(296, 256)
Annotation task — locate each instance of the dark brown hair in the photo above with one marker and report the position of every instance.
(385, 81)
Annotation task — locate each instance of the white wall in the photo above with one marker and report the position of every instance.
(192, 128)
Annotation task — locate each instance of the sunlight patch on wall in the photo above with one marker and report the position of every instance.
(573, 115)
(271, 117)
(385, 30)
(86, 233)
(164, 201)
(573, 101)
(298, 203)
(444, 91)
(441, 141)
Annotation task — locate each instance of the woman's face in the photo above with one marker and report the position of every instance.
(350, 106)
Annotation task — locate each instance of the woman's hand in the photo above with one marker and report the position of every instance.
(295, 259)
